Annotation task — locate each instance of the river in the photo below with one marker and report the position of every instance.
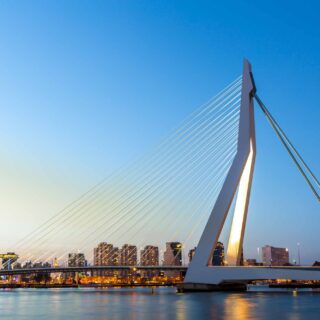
(163, 303)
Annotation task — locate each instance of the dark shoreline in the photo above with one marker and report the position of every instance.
(102, 285)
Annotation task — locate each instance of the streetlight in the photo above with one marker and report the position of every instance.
(298, 244)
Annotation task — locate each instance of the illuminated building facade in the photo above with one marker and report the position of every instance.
(149, 256)
(272, 256)
(173, 254)
(128, 255)
(218, 255)
(105, 254)
(76, 260)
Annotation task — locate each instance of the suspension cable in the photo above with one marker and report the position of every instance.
(287, 144)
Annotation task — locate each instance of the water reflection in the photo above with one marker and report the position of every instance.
(181, 312)
(164, 303)
(239, 306)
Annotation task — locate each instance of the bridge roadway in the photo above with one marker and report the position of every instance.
(90, 269)
(271, 271)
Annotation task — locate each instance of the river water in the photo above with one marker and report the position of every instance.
(163, 303)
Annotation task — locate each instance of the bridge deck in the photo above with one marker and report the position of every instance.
(150, 268)
(91, 268)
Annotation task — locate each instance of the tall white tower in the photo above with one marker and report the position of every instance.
(238, 178)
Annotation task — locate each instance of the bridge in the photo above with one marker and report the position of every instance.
(194, 180)
(203, 276)
(90, 269)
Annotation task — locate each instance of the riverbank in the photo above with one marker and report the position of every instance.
(92, 285)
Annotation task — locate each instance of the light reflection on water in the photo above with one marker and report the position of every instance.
(164, 303)
(238, 307)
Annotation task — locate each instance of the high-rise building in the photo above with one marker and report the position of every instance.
(128, 255)
(218, 255)
(105, 254)
(173, 254)
(116, 256)
(272, 256)
(191, 253)
(76, 260)
(149, 256)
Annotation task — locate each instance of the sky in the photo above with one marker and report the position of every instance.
(87, 86)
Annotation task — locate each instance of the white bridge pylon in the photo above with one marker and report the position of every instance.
(239, 177)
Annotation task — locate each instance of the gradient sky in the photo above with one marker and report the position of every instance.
(86, 86)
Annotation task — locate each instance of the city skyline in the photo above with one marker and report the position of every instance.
(159, 159)
(106, 254)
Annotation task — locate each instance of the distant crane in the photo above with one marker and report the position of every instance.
(8, 259)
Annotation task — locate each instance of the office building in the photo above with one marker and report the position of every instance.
(128, 255)
(272, 256)
(218, 255)
(105, 254)
(76, 260)
(149, 256)
(173, 254)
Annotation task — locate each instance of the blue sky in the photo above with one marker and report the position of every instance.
(86, 86)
